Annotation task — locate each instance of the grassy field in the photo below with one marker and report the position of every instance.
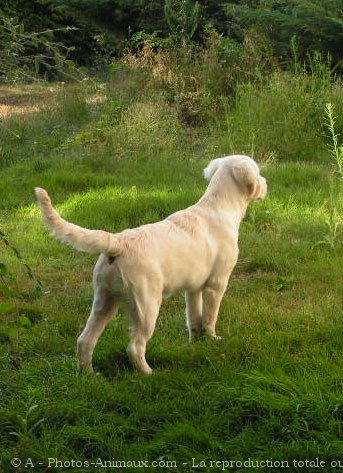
(272, 389)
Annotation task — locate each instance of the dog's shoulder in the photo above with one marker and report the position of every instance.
(186, 220)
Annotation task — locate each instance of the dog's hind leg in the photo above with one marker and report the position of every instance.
(105, 306)
(144, 312)
(194, 313)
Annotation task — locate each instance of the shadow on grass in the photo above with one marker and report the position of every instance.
(109, 366)
(184, 357)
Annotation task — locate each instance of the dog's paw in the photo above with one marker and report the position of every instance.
(213, 336)
(147, 371)
(196, 334)
(86, 369)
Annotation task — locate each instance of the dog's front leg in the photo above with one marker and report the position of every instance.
(212, 295)
(194, 314)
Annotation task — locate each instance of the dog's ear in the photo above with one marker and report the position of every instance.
(247, 178)
(212, 168)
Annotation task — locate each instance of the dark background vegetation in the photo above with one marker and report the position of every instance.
(105, 27)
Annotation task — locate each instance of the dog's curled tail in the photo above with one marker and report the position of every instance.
(90, 241)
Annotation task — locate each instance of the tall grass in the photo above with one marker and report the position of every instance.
(240, 90)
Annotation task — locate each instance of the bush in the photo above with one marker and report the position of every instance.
(284, 118)
(194, 78)
(143, 129)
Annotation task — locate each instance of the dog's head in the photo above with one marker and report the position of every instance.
(245, 173)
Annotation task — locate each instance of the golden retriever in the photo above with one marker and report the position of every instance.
(193, 250)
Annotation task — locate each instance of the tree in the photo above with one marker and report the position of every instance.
(317, 24)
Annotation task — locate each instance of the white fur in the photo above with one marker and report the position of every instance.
(193, 250)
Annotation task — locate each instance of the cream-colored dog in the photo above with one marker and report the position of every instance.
(193, 250)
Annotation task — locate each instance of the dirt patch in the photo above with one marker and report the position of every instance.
(24, 99)
(9, 110)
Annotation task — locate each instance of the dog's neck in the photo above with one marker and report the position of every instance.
(225, 196)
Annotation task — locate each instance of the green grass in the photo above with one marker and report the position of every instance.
(272, 388)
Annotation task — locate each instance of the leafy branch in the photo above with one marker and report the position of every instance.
(24, 54)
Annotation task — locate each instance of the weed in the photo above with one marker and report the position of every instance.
(336, 150)
(27, 424)
(283, 282)
(334, 229)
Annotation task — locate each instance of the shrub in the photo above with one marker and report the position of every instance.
(141, 129)
(284, 117)
(194, 77)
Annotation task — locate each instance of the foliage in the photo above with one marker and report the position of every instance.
(45, 24)
(105, 27)
(333, 230)
(27, 56)
(336, 149)
(284, 117)
(317, 25)
(197, 78)
(183, 18)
